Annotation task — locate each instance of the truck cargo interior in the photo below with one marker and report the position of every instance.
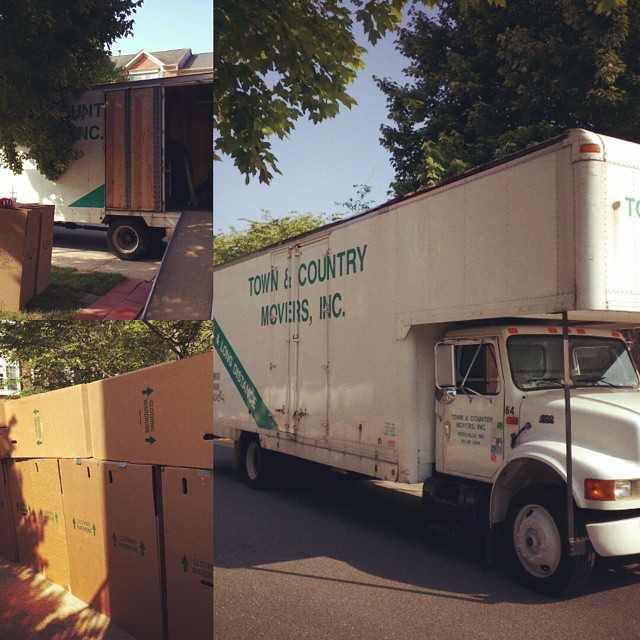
(188, 148)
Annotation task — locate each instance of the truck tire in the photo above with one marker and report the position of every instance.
(255, 463)
(538, 544)
(128, 238)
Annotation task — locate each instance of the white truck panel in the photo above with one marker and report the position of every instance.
(79, 195)
(528, 237)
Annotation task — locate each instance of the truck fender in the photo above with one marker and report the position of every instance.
(529, 466)
(545, 462)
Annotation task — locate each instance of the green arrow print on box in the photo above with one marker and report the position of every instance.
(246, 388)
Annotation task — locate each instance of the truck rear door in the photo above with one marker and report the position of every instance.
(134, 154)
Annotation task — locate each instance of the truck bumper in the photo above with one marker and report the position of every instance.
(616, 538)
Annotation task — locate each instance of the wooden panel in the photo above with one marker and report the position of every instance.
(115, 145)
(142, 150)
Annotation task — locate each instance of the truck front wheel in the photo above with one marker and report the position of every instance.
(539, 547)
(255, 463)
(128, 238)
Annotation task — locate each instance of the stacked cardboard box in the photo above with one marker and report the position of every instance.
(26, 244)
(112, 483)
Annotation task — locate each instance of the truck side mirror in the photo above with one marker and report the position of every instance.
(445, 366)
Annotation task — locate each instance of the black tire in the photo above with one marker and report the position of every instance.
(256, 463)
(128, 238)
(536, 531)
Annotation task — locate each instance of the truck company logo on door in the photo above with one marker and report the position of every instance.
(338, 265)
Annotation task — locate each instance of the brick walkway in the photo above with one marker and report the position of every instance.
(124, 302)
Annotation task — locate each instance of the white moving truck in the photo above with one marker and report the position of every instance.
(146, 156)
(421, 342)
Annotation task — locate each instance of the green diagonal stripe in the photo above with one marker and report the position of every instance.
(94, 200)
(245, 387)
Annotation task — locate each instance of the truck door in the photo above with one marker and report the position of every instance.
(298, 367)
(471, 426)
(134, 155)
(311, 385)
(280, 344)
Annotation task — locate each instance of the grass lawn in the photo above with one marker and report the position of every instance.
(61, 300)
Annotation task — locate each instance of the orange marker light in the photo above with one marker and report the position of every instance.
(512, 330)
(616, 334)
(602, 490)
(589, 148)
(512, 420)
(580, 331)
(553, 330)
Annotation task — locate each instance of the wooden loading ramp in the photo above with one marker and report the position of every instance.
(183, 288)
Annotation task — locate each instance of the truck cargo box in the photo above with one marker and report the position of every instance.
(325, 343)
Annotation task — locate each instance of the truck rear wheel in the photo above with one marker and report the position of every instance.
(539, 548)
(128, 238)
(255, 463)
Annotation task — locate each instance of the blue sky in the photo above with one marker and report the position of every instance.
(167, 24)
(320, 163)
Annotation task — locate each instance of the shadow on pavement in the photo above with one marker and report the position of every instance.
(317, 513)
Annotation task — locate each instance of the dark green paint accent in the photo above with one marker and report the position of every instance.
(257, 408)
(94, 200)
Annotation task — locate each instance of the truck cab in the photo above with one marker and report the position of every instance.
(500, 422)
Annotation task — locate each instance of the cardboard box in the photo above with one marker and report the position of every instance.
(38, 515)
(8, 545)
(45, 244)
(187, 511)
(5, 447)
(19, 233)
(4, 433)
(50, 425)
(114, 552)
(158, 415)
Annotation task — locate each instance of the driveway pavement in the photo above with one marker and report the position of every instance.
(32, 607)
(87, 251)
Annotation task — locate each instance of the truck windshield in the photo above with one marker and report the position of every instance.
(536, 362)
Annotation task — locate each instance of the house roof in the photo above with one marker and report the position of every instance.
(181, 57)
(199, 61)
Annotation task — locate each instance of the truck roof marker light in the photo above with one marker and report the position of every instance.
(512, 330)
(589, 148)
(553, 330)
(616, 334)
(581, 331)
(511, 420)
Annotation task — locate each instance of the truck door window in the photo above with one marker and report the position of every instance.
(477, 363)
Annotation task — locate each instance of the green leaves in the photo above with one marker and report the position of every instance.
(280, 60)
(62, 353)
(486, 82)
(263, 233)
(51, 51)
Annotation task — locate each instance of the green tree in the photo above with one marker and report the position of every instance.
(59, 354)
(485, 82)
(50, 52)
(265, 232)
(361, 202)
(280, 60)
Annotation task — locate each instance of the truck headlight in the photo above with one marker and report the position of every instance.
(606, 490)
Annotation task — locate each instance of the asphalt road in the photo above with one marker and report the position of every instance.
(86, 250)
(328, 557)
